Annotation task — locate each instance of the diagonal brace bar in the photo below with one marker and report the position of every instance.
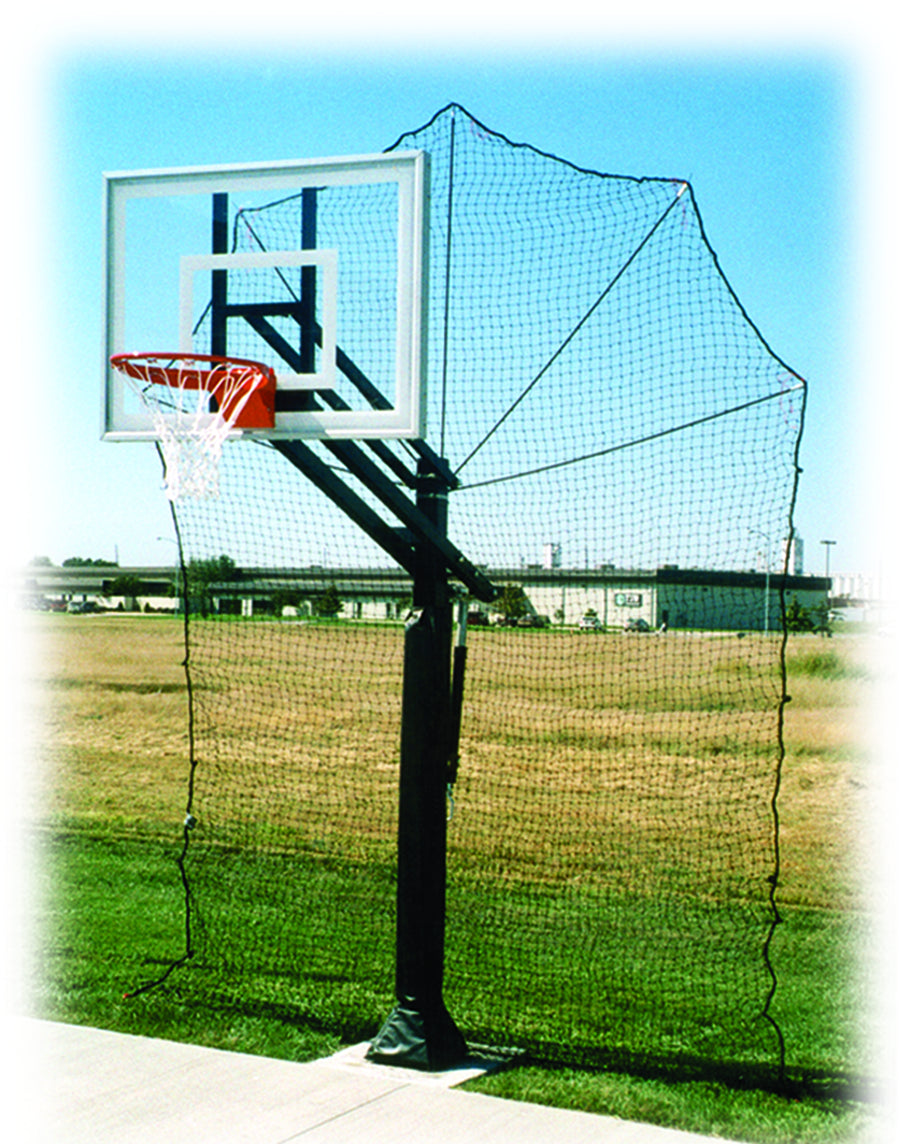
(424, 532)
(334, 400)
(313, 467)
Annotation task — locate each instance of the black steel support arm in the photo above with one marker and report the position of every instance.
(409, 514)
(313, 467)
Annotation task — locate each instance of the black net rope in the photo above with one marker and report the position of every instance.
(626, 443)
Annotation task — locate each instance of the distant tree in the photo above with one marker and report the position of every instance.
(127, 585)
(328, 603)
(797, 618)
(286, 598)
(823, 619)
(86, 562)
(40, 562)
(512, 603)
(202, 575)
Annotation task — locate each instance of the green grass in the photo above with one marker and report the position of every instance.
(111, 902)
(113, 920)
(825, 663)
(706, 1107)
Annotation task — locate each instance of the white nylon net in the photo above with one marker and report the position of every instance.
(194, 403)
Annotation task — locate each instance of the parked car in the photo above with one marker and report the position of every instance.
(499, 620)
(637, 625)
(590, 624)
(533, 622)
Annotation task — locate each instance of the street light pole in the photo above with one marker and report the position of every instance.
(829, 544)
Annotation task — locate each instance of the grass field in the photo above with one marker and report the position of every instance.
(109, 792)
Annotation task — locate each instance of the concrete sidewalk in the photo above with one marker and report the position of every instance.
(97, 1087)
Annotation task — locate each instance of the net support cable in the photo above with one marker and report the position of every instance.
(570, 337)
(189, 821)
(448, 275)
(784, 699)
(659, 435)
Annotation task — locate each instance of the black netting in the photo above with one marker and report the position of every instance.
(626, 445)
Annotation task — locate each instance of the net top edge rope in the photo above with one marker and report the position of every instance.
(684, 189)
(454, 107)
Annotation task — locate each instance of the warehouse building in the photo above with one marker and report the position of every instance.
(668, 597)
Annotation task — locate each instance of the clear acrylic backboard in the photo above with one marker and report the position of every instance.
(315, 268)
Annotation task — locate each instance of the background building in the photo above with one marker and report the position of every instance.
(692, 599)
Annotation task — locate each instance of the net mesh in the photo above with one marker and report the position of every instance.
(626, 442)
(195, 402)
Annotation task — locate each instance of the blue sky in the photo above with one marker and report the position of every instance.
(768, 135)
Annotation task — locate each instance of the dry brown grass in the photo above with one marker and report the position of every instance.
(648, 745)
(110, 718)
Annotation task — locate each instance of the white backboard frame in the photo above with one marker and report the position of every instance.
(325, 260)
(408, 170)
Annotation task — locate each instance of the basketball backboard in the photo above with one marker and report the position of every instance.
(316, 268)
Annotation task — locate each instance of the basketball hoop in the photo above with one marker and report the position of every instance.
(196, 401)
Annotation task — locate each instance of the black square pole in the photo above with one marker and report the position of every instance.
(420, 1033)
